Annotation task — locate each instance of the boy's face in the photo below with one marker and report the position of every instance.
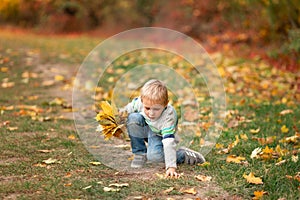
(152, 110)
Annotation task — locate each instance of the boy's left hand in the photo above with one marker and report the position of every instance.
(171, 172)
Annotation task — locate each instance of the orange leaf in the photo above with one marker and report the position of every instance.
(268, 150)
(252, 179)
(72, 137)
(258, 194)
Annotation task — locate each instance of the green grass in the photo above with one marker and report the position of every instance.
(24, 176)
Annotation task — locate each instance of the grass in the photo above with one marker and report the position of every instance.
(24, 175)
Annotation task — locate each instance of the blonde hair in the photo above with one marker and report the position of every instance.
(155, 91)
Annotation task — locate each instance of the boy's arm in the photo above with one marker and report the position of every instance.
(170, 152)
(169, 144)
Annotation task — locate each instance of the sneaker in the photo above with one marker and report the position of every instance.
(138, 161)
(192, 157)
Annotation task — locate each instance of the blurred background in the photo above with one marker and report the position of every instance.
(269, 26)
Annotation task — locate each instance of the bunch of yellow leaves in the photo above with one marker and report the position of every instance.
(110, 124)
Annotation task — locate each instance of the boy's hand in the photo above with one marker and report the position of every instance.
(171, 172)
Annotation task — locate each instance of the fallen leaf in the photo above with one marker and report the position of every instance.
(50, 161)
(219, 146)
(68, 184)
(87, 187)
(189, 191)
(44, 151)
(264, 141)
(95, 163)
(68, 175)
(109, 189)
(252, 179)
(235, 159)
(59, 78)
(203, 178)
(294, 158)
(254, 131)
(7, 107)
(119, 185)
(258, 194)
(71, 137)
(284, 129)
(40, 165)
(284, 112)
(4, 69)
(205, 164)
(280, 162)
(28, 74)
(12, 128)
(8, 84)
(291, 139)
(167, 191)
(244, 137)
(48, 83)
(255, 152)
(267, 150)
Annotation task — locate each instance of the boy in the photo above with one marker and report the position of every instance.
(151, 119)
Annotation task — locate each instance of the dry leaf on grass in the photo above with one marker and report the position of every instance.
(255, 153)
(87, 187)
(167, 191)
(188, 191)
(119, 185)
(203, 178)
(284, 112)
(252, 179)
(110, 189)
(254, 131)
(284, 129)
(51, 161)
(235, 159)
(259, 194)
(95, 163)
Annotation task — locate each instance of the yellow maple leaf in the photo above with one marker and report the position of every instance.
(235, 159)
(284, 129)
(252, 179)
(268, 150)
(258, 194)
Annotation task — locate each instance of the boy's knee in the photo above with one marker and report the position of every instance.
(155, 157)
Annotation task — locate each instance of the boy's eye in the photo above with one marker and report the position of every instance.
(147, 108)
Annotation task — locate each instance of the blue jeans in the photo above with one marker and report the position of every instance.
(140, 134)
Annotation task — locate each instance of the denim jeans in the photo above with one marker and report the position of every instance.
(140, 134)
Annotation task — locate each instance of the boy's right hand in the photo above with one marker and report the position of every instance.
(171, 172)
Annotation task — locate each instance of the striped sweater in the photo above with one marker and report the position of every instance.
(164, 126)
